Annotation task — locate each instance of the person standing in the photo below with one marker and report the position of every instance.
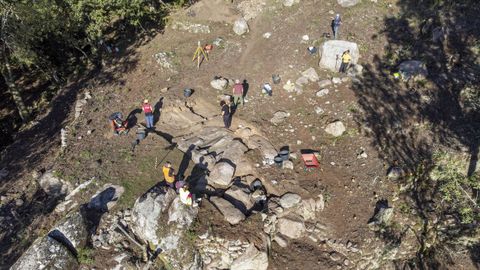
(337, 21)
(237, 93)
(226, 113)
(169, 174)
(148, 110)
(346, 58)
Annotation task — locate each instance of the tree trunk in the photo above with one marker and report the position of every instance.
(14, 91)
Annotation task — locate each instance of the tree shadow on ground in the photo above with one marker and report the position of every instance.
(42, 138)
(409, 126)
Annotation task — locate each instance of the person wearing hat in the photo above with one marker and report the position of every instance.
(148, 110)
(169, 174)
(237, 93)
(346, 58)
(336, 22)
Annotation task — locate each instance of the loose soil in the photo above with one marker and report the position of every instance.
(351, 185)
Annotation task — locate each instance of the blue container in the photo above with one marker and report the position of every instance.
(187, 92)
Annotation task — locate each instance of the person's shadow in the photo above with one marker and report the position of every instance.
(197, 178)
(156, 110)
(132, 117)
(185, 160)
(246, 86)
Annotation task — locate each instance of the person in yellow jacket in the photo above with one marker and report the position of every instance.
(346, 58)
(169, 174)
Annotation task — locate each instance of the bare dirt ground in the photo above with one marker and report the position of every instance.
(351, 185)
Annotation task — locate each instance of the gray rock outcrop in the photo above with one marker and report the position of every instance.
(292, 228)
(332, 51)
(231, 214)
(252, 259)
(221, 174)
(160, 219)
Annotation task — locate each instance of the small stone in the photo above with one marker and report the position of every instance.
(336, 80)
(334, 256)
(322, 92)
(324, 83)
(335, 129)
(164, 90)
(89, 132)
(18, 202)
(287, 164)
(362, 155)
(319, 110)
(240, 27)
(267, 35)
(305, 38)
(299, 142)
(280, 241)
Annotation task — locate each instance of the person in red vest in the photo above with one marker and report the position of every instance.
(148, 110)
(237, 93)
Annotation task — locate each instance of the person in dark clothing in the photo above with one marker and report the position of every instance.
(336, 22)
(226, 113)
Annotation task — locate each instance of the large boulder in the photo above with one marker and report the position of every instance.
(239, 198)
(53, 186)
(279, 117)
(147, 211)
(291, 227)
(104, 200)
(161, 220)
(335, 129)
(46, 253)
(221, 174)
(240, 26)
(290, 200)
(57, 250)
(266, 148)
(311, 74)
(348, 3)
(233, 151)
(178, 116)
(181, 214)
(252, 259)
(412, 69)
(332, 51)
(219, 83)
(231, 214)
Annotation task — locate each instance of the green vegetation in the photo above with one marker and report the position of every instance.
(42, 38)
(455, 187)
(85, 256)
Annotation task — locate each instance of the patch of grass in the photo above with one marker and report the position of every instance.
(85, 256)
(126, 155)
(403, 207)
(86, 155)
(353, 108)
(134, 188)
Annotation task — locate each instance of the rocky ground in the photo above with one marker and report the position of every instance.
(93, 203)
